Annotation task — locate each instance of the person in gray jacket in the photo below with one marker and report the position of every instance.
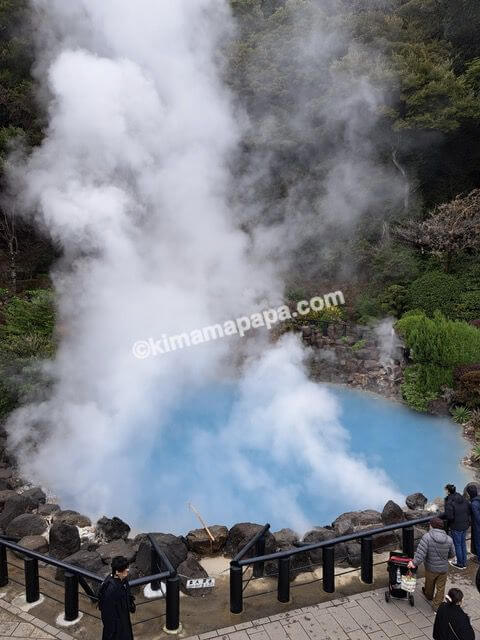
(434, 550)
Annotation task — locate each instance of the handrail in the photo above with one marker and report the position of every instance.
(84, 573)
(170, 569)
(303, 547)
(75, 576)
(328, 559)
(52, 561)
(138, 582)
(250, 544)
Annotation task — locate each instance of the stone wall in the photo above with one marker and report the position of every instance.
(358, 359)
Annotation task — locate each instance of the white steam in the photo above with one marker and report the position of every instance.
(132, 182)
(389, 343)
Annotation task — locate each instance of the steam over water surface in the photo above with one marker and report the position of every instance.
(416, 452)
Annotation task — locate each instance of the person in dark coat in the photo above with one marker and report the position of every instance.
(475, 509)
(116, 602)
(451, 621)
(457, 515)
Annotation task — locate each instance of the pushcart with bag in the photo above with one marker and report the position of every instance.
(402, 580)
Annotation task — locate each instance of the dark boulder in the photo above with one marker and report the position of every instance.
(190, 568)
(439, 407)
(48, 509)
(88, 560)
(8, 479)
(14, 506)
(117, 548)
(392, 513)
(416, 514)
(382, 541)
(299, 563)
(5, 494)
(72, 517)
(320, 534)
(6, 474)
(285, 539)
(174, 547)
(199, 542)
(34, 543)
(64, 540)
(347, 522)
(113, 528)
(36, 495)
(416, 501)
(27, 524)
(240, 534)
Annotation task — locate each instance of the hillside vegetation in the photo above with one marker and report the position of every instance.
(414, 257)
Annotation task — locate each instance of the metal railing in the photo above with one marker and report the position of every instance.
(172, 597)
(76, 576)
(328, 559)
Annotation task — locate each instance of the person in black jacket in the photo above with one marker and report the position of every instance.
(116, 602)
(457, 514)
(472, 492)
(451, 621)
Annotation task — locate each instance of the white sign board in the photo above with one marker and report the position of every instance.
(201, 583)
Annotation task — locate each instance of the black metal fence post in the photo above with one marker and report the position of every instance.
(367, 560)
(32, 585)
(3, 566)
(259, 567)
(328, 562)
(236, 586)
(71, 596)
(172, 622)
(283, 586)
(408, 541)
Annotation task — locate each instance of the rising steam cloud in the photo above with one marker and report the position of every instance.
(132, 182)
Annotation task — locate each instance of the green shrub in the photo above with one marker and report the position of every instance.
(394, 300)
(26, 339)
(435, 291)
(468, 306)
(359, 345)
(461, 415)
(8, 401)
(366, 308)
(33, 314)
(440, 341)
(395, 264)
(413, 393)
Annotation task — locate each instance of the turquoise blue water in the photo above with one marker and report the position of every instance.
(416, 452)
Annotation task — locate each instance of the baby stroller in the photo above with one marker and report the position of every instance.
(402, 580)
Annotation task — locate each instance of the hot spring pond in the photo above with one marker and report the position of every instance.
(371, 451)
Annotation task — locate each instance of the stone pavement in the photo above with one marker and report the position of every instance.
(363, 616)
(15, 623)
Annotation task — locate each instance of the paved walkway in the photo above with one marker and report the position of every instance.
(363, 616)
(15, 623)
